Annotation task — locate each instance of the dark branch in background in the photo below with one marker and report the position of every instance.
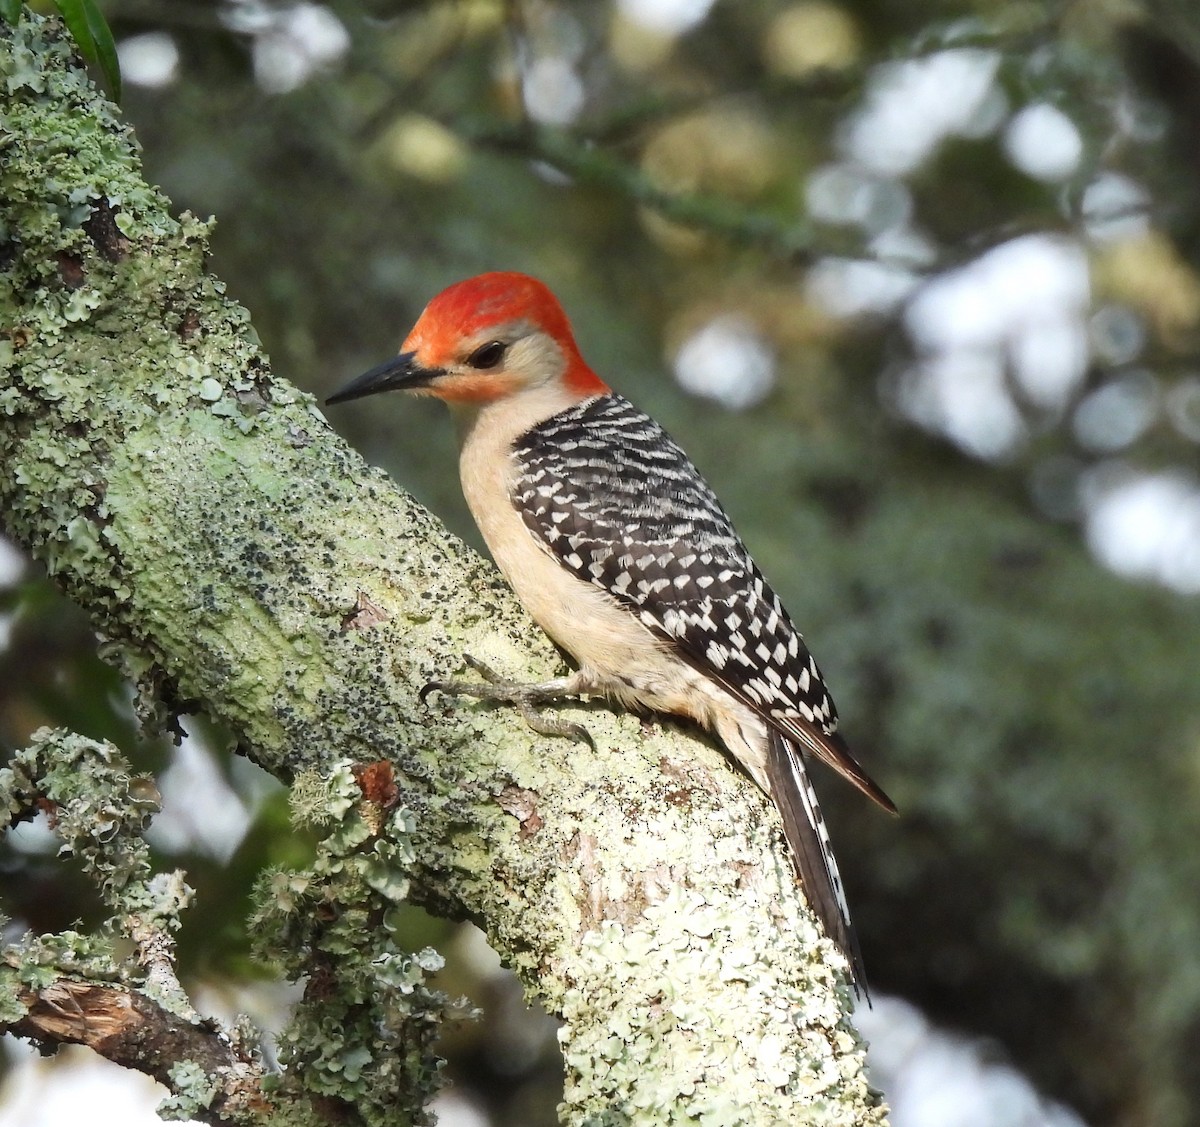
(594, 167)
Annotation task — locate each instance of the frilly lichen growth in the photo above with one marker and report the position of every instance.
(192, 1089)
(365, 1028)
(96, 804)
(99, 809)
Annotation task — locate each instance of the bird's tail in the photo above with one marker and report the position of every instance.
(805, 831)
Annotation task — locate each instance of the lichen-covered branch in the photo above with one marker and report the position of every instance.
(363, 1033)
(238, 557)
(72, 987)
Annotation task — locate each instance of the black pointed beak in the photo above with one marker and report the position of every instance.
(400, 373)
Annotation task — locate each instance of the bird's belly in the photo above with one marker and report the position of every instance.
(619, 655)
(621, 659)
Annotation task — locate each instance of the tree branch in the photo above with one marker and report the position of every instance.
(131, 1029)
(224, 541)
(70, 987)
(596, 167)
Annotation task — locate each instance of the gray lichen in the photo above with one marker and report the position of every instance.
(116, 986)
(192, 1092)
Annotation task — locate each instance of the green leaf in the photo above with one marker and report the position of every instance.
(10, 10)
(93, 37)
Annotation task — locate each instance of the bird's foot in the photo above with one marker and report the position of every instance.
(522, 697)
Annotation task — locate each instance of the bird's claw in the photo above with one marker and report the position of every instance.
(494, 687)
(548, 726)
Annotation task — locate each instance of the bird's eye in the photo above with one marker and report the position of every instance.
(487, 355)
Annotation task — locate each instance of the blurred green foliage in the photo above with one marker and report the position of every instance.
(1036, 717)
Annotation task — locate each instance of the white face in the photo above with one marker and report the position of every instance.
(536, 356)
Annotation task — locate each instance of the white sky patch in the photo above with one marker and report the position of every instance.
(983, 302)
(728, 360)
(291, 44)
(844, 193)
(904, 246)
(1117, 414)
(667, 17)
(199, 808)
(851, 287)
(1049, 357)
(75, 1086)
(548, 59)
(1183, 407)
(912, 106)
(1043, 142)
(269, 1003)
(1117, 334)
(935, 1079)
(963, 395)
(1021, 307)
(552, 90)
(1145, 525)
(454, 1109)
(34, 836)
(1115, 207)
(150, 59)
(12, 563)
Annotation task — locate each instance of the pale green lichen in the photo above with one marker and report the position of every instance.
(99, 809)
(192, 1092)
(100, 806)
(364, 1031)
(37, 961)
(743, 1042)
(210, 390)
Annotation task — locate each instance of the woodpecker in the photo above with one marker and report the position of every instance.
(621, 552)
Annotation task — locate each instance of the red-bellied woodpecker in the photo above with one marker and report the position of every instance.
(621, 552)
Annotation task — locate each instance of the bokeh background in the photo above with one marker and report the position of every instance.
(916, 284)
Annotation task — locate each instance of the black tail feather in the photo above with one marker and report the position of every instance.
(805, 831)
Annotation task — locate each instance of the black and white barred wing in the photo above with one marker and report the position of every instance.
(621, 506)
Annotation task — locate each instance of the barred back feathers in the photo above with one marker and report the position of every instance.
(622, 507)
